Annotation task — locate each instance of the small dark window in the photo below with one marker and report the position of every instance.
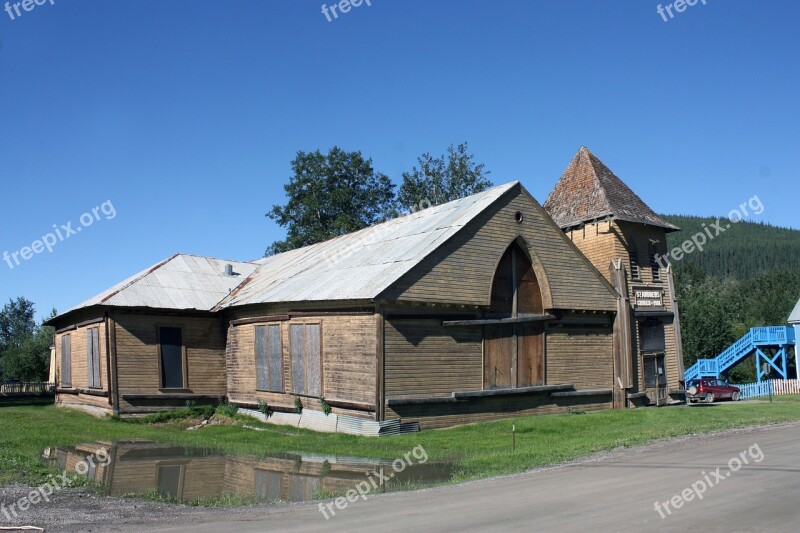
(656, 270)
(171, 344)
(66, 361)
(269, 358)
(518, 217)
(306, 359)
(654, 266)
(635, 274)
(93, 357)
(652, 336)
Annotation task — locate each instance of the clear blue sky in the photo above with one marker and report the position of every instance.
(186, 114)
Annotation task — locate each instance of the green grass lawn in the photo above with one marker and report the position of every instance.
(482, 450)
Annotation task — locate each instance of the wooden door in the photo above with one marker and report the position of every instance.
(514, 352)
(531, 354)
(498, 357)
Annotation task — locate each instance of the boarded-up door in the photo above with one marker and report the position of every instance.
(498, 358)
(514, 351)
(531, 354)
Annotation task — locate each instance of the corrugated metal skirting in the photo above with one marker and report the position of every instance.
(333, 423)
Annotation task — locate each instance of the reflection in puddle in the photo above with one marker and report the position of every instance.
(192, 474)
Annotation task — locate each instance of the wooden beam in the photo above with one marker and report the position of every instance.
(511, 392)
(420, 401)
(174, 396)
(485, 321)
(380, 363)
(590, 392)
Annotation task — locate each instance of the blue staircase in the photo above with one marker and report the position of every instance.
(775, 337)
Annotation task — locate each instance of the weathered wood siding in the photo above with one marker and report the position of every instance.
(80, 376)
(582, 356)
(612, 240)
(80, 367)
(601, 243)
(425, 359)
(349, 354)
(461, 270)
(138, 355)
(432, 416)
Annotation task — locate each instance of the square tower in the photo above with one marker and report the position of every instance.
(624, 239)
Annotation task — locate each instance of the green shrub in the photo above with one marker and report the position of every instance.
(298, 405)
(227, 409)
(264, 408)
(326, 408)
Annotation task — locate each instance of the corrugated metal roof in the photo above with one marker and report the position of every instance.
(360, 265)
(794, 318)
(180, 282)
(356, 266)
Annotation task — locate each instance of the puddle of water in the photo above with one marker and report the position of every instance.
(193, 474)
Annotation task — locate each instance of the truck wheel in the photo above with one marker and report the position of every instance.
(710, 398)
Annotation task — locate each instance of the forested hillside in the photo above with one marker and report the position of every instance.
(741, 251)
(745, 277)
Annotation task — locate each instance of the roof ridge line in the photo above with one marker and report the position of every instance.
(600, 185)
(510, 186)
(395, 219)
(140, 277)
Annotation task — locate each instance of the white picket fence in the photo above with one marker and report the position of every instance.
(776, 386)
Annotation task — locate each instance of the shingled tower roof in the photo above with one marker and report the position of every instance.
(589, 191)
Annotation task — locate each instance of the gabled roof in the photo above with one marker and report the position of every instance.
(794, 318)
(360, 265)
(588, 190)
(179, 282)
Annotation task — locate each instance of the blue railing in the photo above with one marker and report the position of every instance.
(780, 336)
(773, 335)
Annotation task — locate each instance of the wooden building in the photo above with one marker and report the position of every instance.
(150, 342)
(626, 241)
(472, 310)
(477, 309)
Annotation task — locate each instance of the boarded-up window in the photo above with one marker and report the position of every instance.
(66, 361)
(171, 344)
(269, 358)
(93, 357)
(306, 359)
